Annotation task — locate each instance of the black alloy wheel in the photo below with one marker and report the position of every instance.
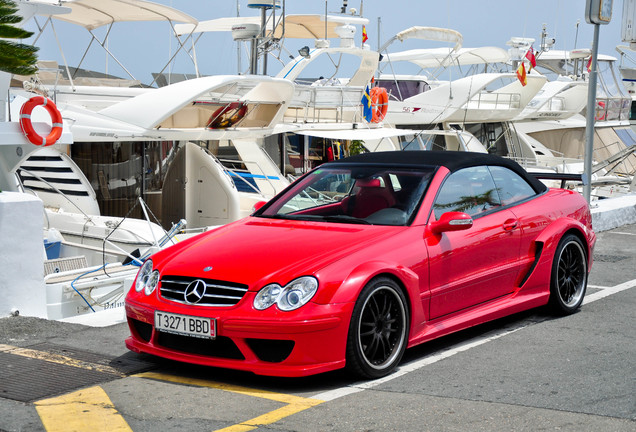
(378, 331)
(569, 276)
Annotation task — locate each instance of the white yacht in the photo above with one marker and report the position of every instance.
(58, 260)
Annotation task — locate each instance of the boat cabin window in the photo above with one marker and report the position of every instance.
(403, 89)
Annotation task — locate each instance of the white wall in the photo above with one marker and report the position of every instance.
(21, 255)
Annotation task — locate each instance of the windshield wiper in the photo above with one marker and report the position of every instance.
(289, 216)
(274, 216)
(345, 219)
(319, 218)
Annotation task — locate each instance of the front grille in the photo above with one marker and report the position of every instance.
(217, 293)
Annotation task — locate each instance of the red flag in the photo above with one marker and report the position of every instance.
(589, 65)
(521, 74)
(530, 56)
(364, 34)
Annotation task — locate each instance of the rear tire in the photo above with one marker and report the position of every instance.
(378, 331)
(569, 276)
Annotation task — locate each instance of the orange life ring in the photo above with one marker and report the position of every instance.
(380, 103)
(27, 126)
(227, 115)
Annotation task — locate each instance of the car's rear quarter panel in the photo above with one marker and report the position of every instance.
(544, 221)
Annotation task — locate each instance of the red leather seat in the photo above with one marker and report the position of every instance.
(370, 196)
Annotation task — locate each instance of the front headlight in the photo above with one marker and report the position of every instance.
(147, 279)
(267, 296)
(290, 297)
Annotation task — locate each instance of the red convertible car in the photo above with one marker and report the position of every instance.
(362, 258)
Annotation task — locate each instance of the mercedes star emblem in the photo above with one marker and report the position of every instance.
(195, 291)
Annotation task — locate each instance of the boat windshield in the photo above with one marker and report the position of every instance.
(375, 195)
(403, 89)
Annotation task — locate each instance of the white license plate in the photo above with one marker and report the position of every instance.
(185, 325)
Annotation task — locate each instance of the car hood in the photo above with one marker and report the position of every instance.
(256, 251)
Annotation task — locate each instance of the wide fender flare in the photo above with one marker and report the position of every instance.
(551, 236)
(350, 287)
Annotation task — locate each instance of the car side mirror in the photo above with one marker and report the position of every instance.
(452, 221)
(258, 205)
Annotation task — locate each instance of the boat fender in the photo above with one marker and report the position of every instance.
(380, 103)
(227, 115)
(27, 126)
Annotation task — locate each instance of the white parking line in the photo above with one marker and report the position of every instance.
(622, 233)
(598, 287)
(410, 367)
(433, 358)
(609, 291)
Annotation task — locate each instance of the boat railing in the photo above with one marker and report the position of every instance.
(616, 160)
(556, 103)
(612, 109)
(48, 74)
(558, 163)
(242, 174)
(494, 100)
(312, 104)
(528, 162)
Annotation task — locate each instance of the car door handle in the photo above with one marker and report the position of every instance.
(510, 224)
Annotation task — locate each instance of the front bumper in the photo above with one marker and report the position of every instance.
(308, 341)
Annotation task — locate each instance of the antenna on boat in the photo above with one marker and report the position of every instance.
(326, 34)
(264, 6)
(576, 35)
(238, 44)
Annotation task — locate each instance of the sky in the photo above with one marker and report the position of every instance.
(146, 47)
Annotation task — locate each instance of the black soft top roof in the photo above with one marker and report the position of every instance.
(453, 160)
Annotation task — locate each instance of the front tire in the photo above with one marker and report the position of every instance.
(569, 276)
(379, 329)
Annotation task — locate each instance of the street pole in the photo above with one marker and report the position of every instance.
(589, 121)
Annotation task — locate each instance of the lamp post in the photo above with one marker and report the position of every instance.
(597, 12)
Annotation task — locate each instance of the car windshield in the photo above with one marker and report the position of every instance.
(376, 195)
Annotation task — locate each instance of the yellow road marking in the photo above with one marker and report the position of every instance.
(294, 405)
(59, 359)
(85, 410)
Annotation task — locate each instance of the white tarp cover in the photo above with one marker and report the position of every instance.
(431, 33)
(92, 14)
(296, 26)
(434, 57)
(560, 55)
